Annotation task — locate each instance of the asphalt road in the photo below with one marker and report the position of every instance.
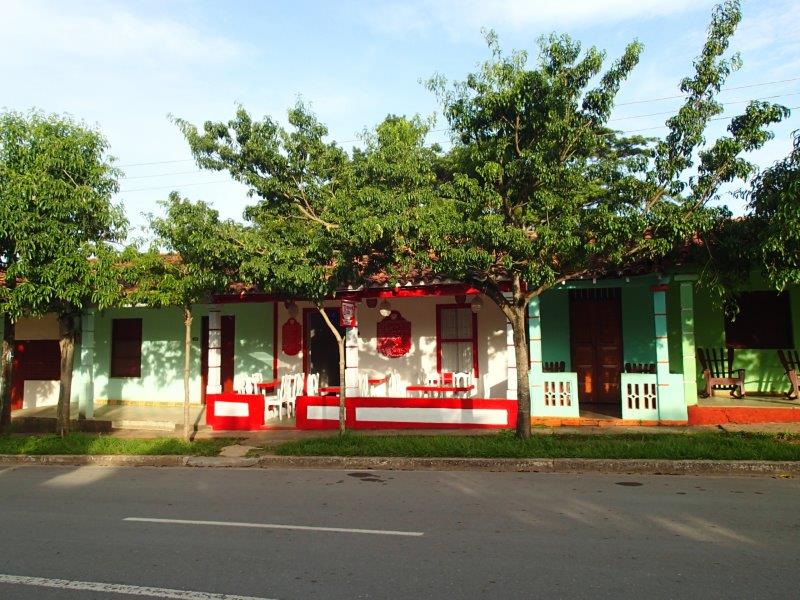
(429, 535)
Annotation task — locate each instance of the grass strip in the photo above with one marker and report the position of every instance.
(85, 443)
(704, 445)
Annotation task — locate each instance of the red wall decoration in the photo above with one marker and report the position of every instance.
(291, 337)
(394, 335)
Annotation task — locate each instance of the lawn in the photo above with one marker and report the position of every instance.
(705, 445)
(84, 443)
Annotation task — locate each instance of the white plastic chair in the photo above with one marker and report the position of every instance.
(276, 400)
(312, 384)
(394, 387)
(294, 391)
(463, 380)
(363, 385)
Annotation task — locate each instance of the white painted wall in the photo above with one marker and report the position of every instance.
(421, 358)
(40, 393)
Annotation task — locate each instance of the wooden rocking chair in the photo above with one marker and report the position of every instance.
(553, 366)
(649, 368)
(719, 373)
(790, 359)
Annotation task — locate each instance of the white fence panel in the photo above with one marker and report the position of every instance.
(640, 396)
(554, 395)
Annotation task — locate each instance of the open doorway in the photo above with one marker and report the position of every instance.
(321, 353)
(595, 319)
(228, 351)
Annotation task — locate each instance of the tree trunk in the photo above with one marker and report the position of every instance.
(187, 355)
(6, 374)
(66, 330)
(522, 355)
(342, 369)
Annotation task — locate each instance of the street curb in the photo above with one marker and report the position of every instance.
(515, 465)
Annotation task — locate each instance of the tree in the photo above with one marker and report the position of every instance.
(542, 191)
(324, 219)
(57, 227)
(775, 203)
(199, 264)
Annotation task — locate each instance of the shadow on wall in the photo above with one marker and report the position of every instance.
(40, 392)
(161, 369)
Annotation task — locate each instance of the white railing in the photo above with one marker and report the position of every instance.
(554, 395)
(639, 396)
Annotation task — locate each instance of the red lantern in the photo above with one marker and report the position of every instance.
(291, 337)
(394, 335)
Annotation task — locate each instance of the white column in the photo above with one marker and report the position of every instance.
(351, 362)
(86, 398)
(511, 359)
(214, 383)
(535, 347)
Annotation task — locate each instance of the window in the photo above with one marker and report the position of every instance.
(456, 340)
(126, 348)
(764, 322)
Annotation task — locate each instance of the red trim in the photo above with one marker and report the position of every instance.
(510, 406)
(659, 287)
(254, 419)
(473, 339)
(721, 415)
(439, 388)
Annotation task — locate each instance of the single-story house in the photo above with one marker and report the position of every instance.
(621, 349)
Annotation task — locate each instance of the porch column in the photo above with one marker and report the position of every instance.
(214, 382)
(662, 339)
(86, 398)
(351, 357)
(511, 359)
(535, 347)
(689, 360)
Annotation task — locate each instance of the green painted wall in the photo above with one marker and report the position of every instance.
(162, 351)
(554, 310)
(763, 369)
(638, 326)
(674, 328)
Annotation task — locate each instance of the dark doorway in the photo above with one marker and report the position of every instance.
(596, 347)
(228, 345)
(33, 360)
(321, 351)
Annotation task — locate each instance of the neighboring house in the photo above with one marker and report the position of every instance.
(595, 327)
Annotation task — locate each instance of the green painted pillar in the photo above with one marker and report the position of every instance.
(689, 360)
(86, 398)
(662, 339)
(535, 347)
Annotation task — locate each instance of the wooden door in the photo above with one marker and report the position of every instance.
(596, 344)
(33, 360)
(228, 354)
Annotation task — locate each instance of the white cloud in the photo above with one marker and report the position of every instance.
(458, 17)
(31, 29)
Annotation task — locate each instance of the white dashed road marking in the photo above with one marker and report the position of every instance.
(276, 526)
(119, 588)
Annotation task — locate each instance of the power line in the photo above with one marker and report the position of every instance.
(725, 89)
(722, 118)
(172, 187)
(163, 174)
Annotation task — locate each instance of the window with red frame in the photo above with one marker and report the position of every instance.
(457, 342)
(126, 348)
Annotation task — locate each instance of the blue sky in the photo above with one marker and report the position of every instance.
(124, 66)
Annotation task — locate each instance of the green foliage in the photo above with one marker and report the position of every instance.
(57, 222)
(676, 446)
(542, 191)
(324, 219)
(200, 261)
(775, 202)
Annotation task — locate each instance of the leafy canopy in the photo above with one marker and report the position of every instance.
(324, 219)
(543, 191)
(57, 222)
